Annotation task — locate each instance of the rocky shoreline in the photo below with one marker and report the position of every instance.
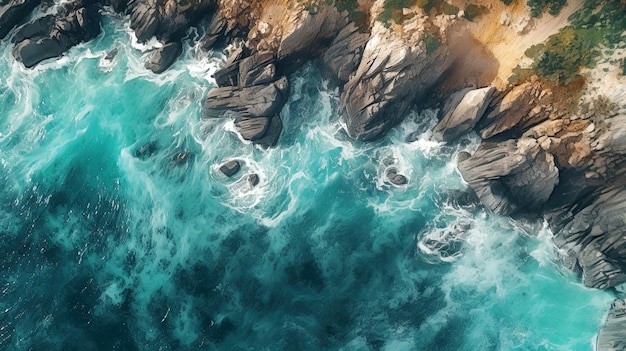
(546, 152)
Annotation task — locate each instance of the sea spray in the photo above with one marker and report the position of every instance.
(108, 247)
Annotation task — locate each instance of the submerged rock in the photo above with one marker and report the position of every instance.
(146, 150)
(230, 168)
(181, 157)
(162, 58)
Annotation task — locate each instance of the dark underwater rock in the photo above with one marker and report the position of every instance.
(230, 168)
(14, 11)
(162, 58)
(146, 150)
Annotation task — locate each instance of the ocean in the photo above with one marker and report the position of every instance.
(118, 231)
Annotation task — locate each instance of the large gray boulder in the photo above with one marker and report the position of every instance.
(52, 35)
(514, 176)
(612, 335)
(14, 11)
(246, 102)
(465, 110)
(163, 57)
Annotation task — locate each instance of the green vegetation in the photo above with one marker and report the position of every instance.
(392, 10)
(507, 2)
(432, 43)
(472, 11)
(538, 7)
(562, 56)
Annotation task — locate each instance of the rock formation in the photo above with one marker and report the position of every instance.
(612, 336)
(14, 11)
(50, 36)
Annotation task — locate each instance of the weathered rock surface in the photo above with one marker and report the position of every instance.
(514, 176)
(252, 128)
(461, 115)
(524, 106)
(52, 35)
(230, 168)
(345, 52)
(163, 57)
(392, 76)
(248, 102)
(14, 11)
(257, 69)
(612, 335)
(167, 20)
(592, 231)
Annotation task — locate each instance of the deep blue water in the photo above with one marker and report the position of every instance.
(102, 248)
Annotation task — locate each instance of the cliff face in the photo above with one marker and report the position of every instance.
(551, 115)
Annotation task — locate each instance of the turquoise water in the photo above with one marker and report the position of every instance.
(106, 249)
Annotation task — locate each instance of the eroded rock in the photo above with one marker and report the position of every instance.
(512, 176)
(460, 117)
(52, 35)
(14, 11)
(163, 57)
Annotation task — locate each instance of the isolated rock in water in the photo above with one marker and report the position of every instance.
(230, 168)
(344, 54)
(461, 118)
(52, 35)
(250, 102)
(162, 58)
(12, 12)
(395, 178)
(612, 335)
(393, 74)
(252, 128)
(512, 176)
(111, 55)
(253, 179)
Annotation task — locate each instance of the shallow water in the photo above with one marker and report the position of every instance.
(103, 248)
